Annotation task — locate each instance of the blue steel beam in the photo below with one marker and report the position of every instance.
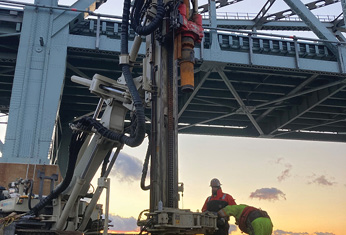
(338, 22)
(260, 18)
(220, 3)
(316, 26)
(343, 5)
(242, 105)
(310, 6)
(62, 19)
(37, 86)
(213, 24)
(77, 71)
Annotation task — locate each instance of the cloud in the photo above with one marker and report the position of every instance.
(281, 232)
(321, 180)
(270, 194)
(319, 233)
(286, 172)
(127, 168)
(279, 160)
(123, 224)
(232, 228)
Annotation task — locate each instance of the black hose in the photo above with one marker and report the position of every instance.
(30, 194)
(77, 140)
(105, 163)
(138, 138)
(154, 24)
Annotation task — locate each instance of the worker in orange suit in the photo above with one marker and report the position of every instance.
(217, 201)
(250, 220)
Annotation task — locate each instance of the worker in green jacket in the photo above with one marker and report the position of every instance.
(250, 220)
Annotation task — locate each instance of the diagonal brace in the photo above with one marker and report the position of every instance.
(311, 20)
(193, 94)
(260, 18)
(65, 17)
(294, 91)
(308, 103)
(240, 102)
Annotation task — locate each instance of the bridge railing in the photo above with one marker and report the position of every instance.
(251, 16)
(229, 39)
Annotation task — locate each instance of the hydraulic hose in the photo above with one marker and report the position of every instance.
(105, 163)
(154, 24)
(137, 101)
(76, 143)
(30, 194)
(137, 137)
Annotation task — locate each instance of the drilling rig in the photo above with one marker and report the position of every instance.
(170, 28)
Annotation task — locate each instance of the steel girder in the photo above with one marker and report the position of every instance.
(219, 4)
(316, 26)
(243, 107)
(308, 103)
(287, 13)
(261, 16)
(294, 91)
(343, 5)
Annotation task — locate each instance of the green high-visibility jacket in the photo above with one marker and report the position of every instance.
(260, 226)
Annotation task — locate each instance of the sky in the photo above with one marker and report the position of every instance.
(301, 184)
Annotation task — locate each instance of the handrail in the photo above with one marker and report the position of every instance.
(249, 33)
(251, 16)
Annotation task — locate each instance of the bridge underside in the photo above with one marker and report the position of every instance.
(233, 99)
(229, 100)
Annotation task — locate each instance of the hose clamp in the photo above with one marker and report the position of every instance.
(124, 59)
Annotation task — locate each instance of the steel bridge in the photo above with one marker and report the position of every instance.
(248, 81)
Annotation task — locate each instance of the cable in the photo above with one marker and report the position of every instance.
(30, 194)
(154, 24)
(77, 140)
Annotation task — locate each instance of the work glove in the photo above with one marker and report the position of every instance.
(222, 213)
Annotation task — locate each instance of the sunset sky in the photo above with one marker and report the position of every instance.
(301, 184)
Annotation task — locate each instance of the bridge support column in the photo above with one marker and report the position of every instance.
(213, 23)
(38, 81)
(37, 87)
